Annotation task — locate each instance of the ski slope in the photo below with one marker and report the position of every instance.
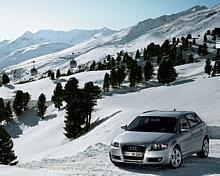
(42, 147)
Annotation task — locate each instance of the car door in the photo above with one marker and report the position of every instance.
(184, 135)
(196, 134)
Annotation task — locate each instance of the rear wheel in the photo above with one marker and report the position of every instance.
(205, 149)
(176, 158)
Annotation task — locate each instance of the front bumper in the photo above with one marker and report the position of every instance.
(149, 157)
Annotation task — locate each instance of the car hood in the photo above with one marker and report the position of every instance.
(143, 138)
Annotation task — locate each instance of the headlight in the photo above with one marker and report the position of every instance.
(158, 147)
(115, 144)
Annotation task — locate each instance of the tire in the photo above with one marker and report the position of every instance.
(205, 149)
(176, 158)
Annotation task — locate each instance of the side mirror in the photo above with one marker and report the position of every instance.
(124, 127)
(184, 129)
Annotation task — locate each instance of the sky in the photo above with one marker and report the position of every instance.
(19, 16)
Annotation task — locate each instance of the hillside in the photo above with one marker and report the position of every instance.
(43, 142)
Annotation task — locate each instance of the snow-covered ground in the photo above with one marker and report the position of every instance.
(47, 86)
(42, 147)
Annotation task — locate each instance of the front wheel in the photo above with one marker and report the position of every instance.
(205, 149)
(176, 158)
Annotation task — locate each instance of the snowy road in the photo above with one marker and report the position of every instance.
(95, 161)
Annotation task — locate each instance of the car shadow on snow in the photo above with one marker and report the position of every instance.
(192, 166)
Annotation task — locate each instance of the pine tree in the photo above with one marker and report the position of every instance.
(26, 100)
(57, 97)
(41, 105)
(75, 109)
(205, 49)
(69, 72)
(137, 55)
(58, 74)
(73, 125)
(49, 73)
(121, 75)
(2, 110)
(92, 93)
(139, 76)
(148, 71)
(118, 59)
(191, 59)
(205, 38)
(52, 76)
(208, 67)
(114, 78)
(18, 103)
(106, 83)
(113, 62)
(70, 89)
(8, 110)
(92, 66)
(5, 79)
(132, 76)
(7, 155)
(166, 72)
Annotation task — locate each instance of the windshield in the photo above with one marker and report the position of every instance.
(153, 124)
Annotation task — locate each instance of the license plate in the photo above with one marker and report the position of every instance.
(134, 154)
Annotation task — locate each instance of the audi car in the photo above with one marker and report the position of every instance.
(161, 137)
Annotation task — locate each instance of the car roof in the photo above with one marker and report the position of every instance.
(156, 113)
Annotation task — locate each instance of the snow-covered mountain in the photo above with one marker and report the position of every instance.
(43, 42)
(196, 20)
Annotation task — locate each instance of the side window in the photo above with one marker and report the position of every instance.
(192, 120)
(197, 118)
(184, 123)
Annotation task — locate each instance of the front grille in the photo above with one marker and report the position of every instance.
(133, 153)
(133, 148)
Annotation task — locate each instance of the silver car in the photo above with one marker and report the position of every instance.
(161, 137)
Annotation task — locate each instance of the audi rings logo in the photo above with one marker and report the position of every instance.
(133, 148)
